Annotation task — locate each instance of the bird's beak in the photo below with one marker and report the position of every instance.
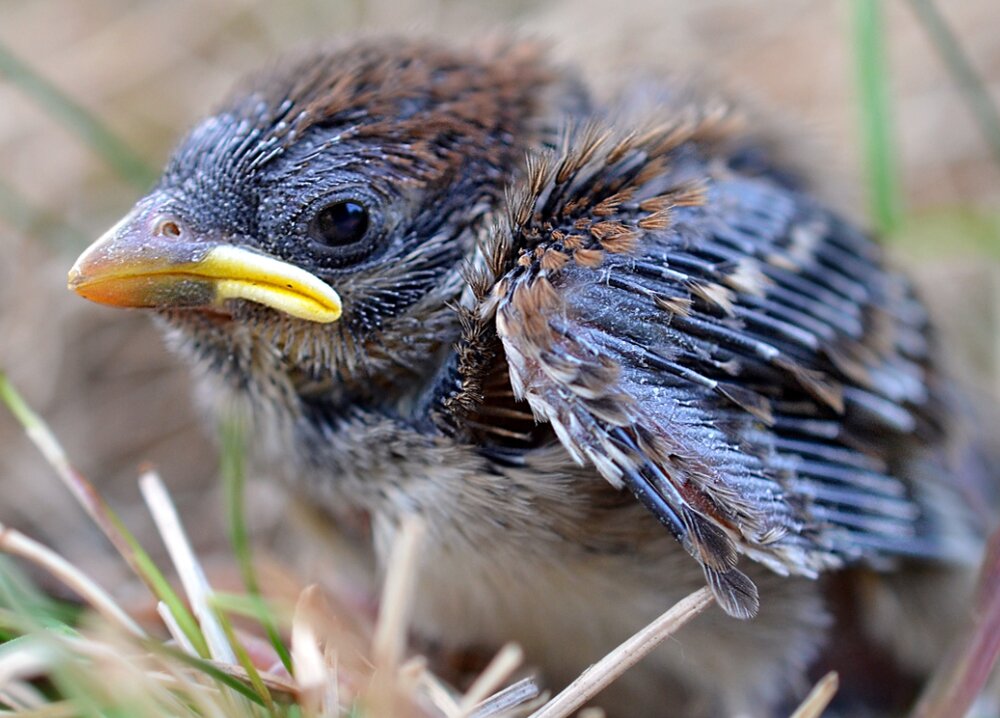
(150, 260)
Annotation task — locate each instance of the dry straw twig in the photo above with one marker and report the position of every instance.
(603, 673)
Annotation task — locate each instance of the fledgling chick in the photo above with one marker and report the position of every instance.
(607, 358)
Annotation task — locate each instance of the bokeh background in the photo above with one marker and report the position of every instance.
(145, 70)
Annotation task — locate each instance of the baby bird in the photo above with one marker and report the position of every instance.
(608, 352)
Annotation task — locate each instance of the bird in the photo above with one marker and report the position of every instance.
(607, 350)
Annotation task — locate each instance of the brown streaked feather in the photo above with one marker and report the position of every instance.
(666, 349)
(417, 91)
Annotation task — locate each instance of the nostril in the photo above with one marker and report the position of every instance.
(167, 227)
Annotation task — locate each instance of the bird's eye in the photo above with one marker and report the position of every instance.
(340, 224)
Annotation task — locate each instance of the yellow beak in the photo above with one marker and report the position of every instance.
(137, 264)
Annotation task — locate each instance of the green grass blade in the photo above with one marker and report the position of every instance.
(207, 668)
(24, 607)
(161, 588)
(16, 404)
(254, 607)
(36, 621)
(874, 102)
(234, 479)
(243, 658)
(970, 84)
(80, 121)
(106, 519)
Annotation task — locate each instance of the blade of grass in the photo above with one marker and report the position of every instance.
(872, 79)
(42, 630)
(395, 606)
(207, 667)
(389, 641)
(312, 674)
(967, 666)
(106, 519)
(819, 697)
(94, 133)
(162, 589)
(970, 84)
(24, 658)
(163, 611)
(234, 479)
(504, 663)
(243, 658)
(439, 695)
(67, 675)
(603, 673)
(223, 644)
(23, 696)
(17, 595)
(16, 543)
(238, 604)
(193, 578)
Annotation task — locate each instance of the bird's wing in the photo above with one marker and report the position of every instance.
(719, 344)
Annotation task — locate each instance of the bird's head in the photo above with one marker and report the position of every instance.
(324, 212)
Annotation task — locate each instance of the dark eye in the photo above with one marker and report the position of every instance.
(339, 224)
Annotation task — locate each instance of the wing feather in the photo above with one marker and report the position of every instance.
(722, 346)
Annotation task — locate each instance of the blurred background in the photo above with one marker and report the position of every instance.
(93, 95)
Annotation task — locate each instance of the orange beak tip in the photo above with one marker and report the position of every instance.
(130, 266)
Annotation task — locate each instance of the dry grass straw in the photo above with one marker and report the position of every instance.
(205, 667)
(967, 667)
(613, 665)
(333, 674)
(819, 697)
